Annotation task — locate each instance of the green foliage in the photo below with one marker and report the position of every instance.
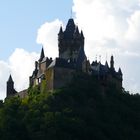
(80, 111)
(32, 91)
(43, 87)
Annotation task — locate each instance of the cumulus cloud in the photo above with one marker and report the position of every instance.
(20, 65)
(4, 69)
(133, 32)
(110, 27)
(47, 36)
(113, 27)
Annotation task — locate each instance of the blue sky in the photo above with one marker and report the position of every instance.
(20, 19)
(110, 27)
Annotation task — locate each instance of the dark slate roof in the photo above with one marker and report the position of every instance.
(106, 64)
(99, 68)
(60, 31)
(94, 63)
(70, 28)
(82, 35)
(81, 57)
(60, 62)
(35, 72)
(76, 32)
(10, 79)
(120, 71)
(41, 55)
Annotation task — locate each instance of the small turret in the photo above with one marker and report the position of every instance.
(76, 31)
(112, 63)
(120, 72)
(82, 35)
(41, 55)
(36, 65)
(10, 87)
(106, 64)
(60, 34)
(60, 31)
(10, 80)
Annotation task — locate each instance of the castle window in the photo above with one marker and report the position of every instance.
(36, 82)
(39, 80)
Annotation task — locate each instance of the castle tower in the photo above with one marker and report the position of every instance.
(10, 87)
(70, 41)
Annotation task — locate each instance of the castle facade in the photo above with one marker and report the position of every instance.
(58, 73)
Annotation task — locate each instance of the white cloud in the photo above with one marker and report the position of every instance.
(20, 65)
(133, 32)
(47, 36)
(4, 69)
(113, 27)
(110, 27)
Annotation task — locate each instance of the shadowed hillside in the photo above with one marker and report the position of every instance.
(81, 111)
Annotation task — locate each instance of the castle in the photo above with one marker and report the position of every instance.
(58, 73)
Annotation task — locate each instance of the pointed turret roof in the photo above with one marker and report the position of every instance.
(10, 79)
(70, 29)
(112, 58)
(120, 71)
(76, 30)
(82, 35)
(112, 63)
(60, 31)
(70, 24)
(76, 33)
(106, 64)
(41, 55)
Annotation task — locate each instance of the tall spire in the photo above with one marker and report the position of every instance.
(120, 71)
(10, 79)
(41, 55)
(106, 64)
(76, 34)
(82, 35)
(76, 30)
(112, 63)
(60, 31)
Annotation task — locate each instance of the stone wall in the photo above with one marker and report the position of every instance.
(62, 76)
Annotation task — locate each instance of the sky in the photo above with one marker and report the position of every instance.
(110, 28)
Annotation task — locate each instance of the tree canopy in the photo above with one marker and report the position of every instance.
(80, 111)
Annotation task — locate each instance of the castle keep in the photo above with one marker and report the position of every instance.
(58, 73)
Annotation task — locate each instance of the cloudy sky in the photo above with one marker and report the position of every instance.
(110, 27)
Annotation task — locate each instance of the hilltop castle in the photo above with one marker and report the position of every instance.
(58, 73)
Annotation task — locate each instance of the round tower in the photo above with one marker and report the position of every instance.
(10, 87)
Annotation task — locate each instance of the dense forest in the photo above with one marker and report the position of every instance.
(80, 111)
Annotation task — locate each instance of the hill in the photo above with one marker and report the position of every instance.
(80, 111)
